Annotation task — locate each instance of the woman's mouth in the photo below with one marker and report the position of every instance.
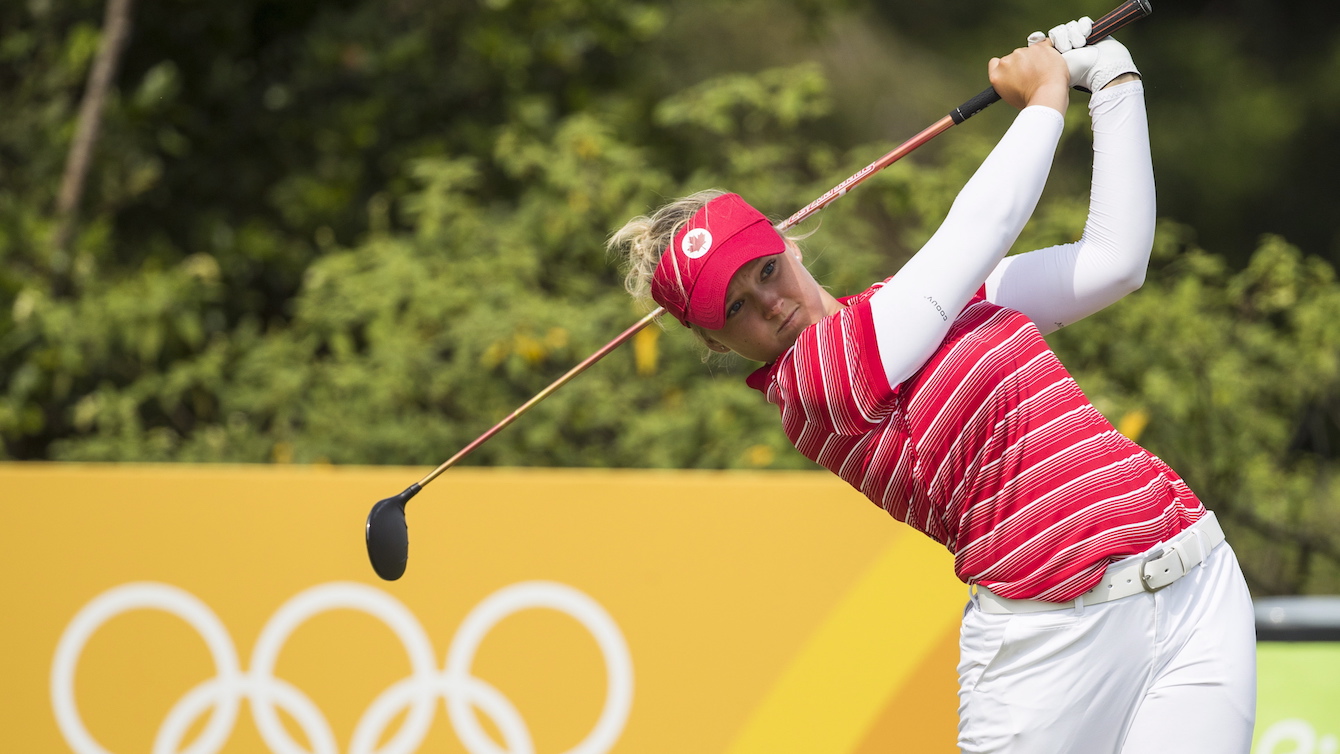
(787, 323)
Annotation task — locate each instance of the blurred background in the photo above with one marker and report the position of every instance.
(361, 232)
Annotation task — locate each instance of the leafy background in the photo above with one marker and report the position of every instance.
(362, 231)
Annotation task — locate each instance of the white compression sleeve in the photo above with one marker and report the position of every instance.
(1062, 284)
(914, 310)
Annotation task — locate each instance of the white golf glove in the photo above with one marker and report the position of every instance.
(1092, 67)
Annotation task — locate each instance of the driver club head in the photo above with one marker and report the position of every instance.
(388, 535)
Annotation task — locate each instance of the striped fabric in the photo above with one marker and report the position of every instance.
(990, 449)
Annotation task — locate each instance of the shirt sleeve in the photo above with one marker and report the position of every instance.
(913, 313)
(1062, 284)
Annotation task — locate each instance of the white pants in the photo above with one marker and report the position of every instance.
(1166, 671)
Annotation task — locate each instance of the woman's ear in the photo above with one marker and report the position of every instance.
(794, 248)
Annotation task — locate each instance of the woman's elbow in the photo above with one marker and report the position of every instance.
(1131, 276)
(1131, 282)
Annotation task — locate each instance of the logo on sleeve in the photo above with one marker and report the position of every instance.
(696, 243)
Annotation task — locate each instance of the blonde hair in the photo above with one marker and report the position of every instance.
(642, 240)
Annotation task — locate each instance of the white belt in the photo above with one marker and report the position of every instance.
(1163, 565)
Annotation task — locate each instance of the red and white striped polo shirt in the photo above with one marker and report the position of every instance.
(990, 449)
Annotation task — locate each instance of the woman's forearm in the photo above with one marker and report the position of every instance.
(1062, 284)
(913, 311)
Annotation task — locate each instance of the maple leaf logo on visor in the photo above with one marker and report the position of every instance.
(696, 243)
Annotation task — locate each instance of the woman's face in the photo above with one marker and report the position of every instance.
(770, 300)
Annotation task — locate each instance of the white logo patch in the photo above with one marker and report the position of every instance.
(696, 243)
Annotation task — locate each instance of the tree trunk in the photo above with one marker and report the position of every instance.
(115, 33)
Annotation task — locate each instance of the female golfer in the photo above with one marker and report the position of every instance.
(1108, 613)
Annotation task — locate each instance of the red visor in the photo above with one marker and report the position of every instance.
(691, 279)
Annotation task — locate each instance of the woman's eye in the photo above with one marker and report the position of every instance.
(768, 268)
(735, 307)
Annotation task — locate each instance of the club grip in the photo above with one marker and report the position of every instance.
(1130, 11)
(977, 104)
(1126, 13)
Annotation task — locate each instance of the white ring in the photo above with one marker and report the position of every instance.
(417, 693)
(135, 596)
(565, 599)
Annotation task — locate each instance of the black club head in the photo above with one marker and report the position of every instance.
(388, 535)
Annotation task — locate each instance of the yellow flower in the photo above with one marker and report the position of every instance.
(759, 455)
(1133, 423)
(645, 351)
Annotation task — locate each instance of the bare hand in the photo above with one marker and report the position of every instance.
(1033, 75)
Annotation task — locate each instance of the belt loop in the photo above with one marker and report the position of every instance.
(1200, 542)
(1079, 605)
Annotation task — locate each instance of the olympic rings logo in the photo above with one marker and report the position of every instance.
(417, 694)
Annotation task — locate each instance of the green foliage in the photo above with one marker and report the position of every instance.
(360, 232)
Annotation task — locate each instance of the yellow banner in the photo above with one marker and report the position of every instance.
(213, 609)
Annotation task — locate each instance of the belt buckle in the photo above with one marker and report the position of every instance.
(1161, 569)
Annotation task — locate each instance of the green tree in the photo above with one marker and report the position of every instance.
(363, 232)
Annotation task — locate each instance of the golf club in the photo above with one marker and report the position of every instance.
(387, 533)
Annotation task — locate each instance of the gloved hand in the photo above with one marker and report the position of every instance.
(1092, 67)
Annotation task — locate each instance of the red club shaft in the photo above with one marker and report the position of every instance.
(833, 194)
